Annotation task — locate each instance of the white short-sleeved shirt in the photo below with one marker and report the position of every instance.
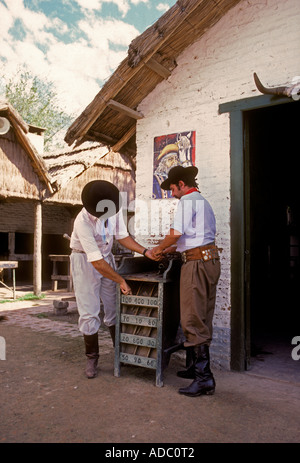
(195, 221)
(95, 236)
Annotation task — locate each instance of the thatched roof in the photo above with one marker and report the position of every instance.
(70, 170)
(111, 117)
(65, 165)
(21, 129)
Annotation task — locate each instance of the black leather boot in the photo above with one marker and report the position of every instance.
(204, 382)
(112, 330)
(92, 354)
(189, 373)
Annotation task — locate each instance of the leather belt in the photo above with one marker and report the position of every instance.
(204, 253)
(77, 250)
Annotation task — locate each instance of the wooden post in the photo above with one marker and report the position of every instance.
(11, 245)
(37, 250)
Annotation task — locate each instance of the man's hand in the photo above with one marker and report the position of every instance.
(108, 272)
(157, 253)
(152, 256)
(170, 250)
(125, 288)
(169, 241)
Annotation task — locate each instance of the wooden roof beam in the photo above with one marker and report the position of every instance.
(158, 68)
(124, 139)
(112, 104)
(96, 136)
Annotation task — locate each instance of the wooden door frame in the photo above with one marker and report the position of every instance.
(239, 225)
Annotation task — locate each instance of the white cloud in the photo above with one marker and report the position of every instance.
(100, 32)
(90, 4)
(162, 7)
(29, 53)
(6, 20)
(60, 26)
(123, 5)
(136, 2)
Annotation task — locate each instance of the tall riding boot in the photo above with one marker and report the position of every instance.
(112, 330)
(204, 382)
(92, 354)
(189, 373)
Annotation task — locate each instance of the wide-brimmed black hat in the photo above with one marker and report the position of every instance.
(179, 173)
(100, 197)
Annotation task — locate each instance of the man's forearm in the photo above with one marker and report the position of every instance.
(169, 240)
(107, 271)
(132, 245)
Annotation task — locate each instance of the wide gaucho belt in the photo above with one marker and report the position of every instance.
(204, 253)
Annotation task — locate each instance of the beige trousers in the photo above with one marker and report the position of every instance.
(90, 289)
(198, 286)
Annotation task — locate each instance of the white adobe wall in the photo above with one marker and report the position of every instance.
(259, 36)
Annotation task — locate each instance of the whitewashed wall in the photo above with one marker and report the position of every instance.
(261, 36)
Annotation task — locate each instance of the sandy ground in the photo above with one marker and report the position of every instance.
(45, 397)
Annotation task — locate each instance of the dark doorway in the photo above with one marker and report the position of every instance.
(272, 229)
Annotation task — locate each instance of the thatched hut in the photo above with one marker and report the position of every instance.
(24, 183)
(193, 76)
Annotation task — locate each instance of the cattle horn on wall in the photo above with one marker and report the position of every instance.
(4, 125)
(292, 90)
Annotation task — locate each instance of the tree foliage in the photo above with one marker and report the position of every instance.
(37, 102)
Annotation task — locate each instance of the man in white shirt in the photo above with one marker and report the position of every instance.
(93, 266)
(193, 233)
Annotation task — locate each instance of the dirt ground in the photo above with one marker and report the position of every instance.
(45, 397)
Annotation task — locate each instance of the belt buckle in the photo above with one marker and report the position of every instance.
(183, 257)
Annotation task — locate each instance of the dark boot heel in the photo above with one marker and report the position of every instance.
(189, 373)
(112, 331)
(92, 354)
(204, 383)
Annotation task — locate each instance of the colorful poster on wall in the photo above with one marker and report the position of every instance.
(176, 149)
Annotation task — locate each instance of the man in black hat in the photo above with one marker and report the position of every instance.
(193, 234)
(92, 262)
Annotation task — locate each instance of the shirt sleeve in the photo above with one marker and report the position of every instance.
(88, 242)
(121, 229)
(189, 216)
(180, 218)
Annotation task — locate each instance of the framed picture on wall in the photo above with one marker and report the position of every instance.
(176, 149)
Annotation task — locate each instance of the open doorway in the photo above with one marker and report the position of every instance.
(272, 210)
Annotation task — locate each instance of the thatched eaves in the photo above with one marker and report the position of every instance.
(63, 166)
(70, 170)
(21, 129)
(111, 117)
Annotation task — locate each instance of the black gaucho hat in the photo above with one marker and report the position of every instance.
(179, 173)
(100, 197)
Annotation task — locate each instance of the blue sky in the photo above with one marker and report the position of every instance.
(76, 44)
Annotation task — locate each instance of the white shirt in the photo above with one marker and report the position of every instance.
(195, 221)
(95, 236)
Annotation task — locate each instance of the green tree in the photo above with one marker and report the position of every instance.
(38, 104)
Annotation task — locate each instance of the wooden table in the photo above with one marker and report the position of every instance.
(10, 264)
(55, 277)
